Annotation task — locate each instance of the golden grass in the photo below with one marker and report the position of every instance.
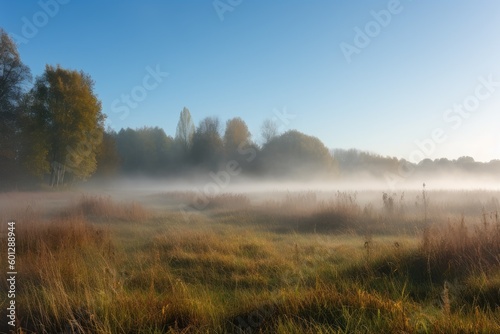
(458, 249)
(105, 207)
(99, 266)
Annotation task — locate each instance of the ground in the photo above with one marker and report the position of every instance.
(276, 262)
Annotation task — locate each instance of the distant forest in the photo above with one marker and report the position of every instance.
(52, 133)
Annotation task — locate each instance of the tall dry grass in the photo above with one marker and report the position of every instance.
(104, 207)
(460, 248)
(229, 271)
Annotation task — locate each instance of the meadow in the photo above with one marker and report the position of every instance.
(275, 262)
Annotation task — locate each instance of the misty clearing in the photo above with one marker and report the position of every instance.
(233, 166)
(257, 261)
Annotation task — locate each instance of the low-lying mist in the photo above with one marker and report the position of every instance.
(210, 183)
(175, 254)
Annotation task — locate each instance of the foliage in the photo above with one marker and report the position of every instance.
(13, 77)
(146, 150)
(57, 129)
(235, 135)
(108, 159)
(185, 130)
(298, 154)
(65, 119)
(208, 148)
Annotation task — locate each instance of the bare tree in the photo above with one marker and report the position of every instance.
(269, 130)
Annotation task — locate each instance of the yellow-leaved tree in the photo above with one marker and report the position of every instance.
(64, 122)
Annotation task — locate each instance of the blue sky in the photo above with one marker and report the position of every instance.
(260, 59)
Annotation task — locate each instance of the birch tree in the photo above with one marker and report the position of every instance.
(67, 123)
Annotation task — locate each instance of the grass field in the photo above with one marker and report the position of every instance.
(300, 262)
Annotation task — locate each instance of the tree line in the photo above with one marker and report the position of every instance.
(52, 133)
(149, 151)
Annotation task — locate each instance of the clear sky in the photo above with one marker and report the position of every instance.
(374, 75)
